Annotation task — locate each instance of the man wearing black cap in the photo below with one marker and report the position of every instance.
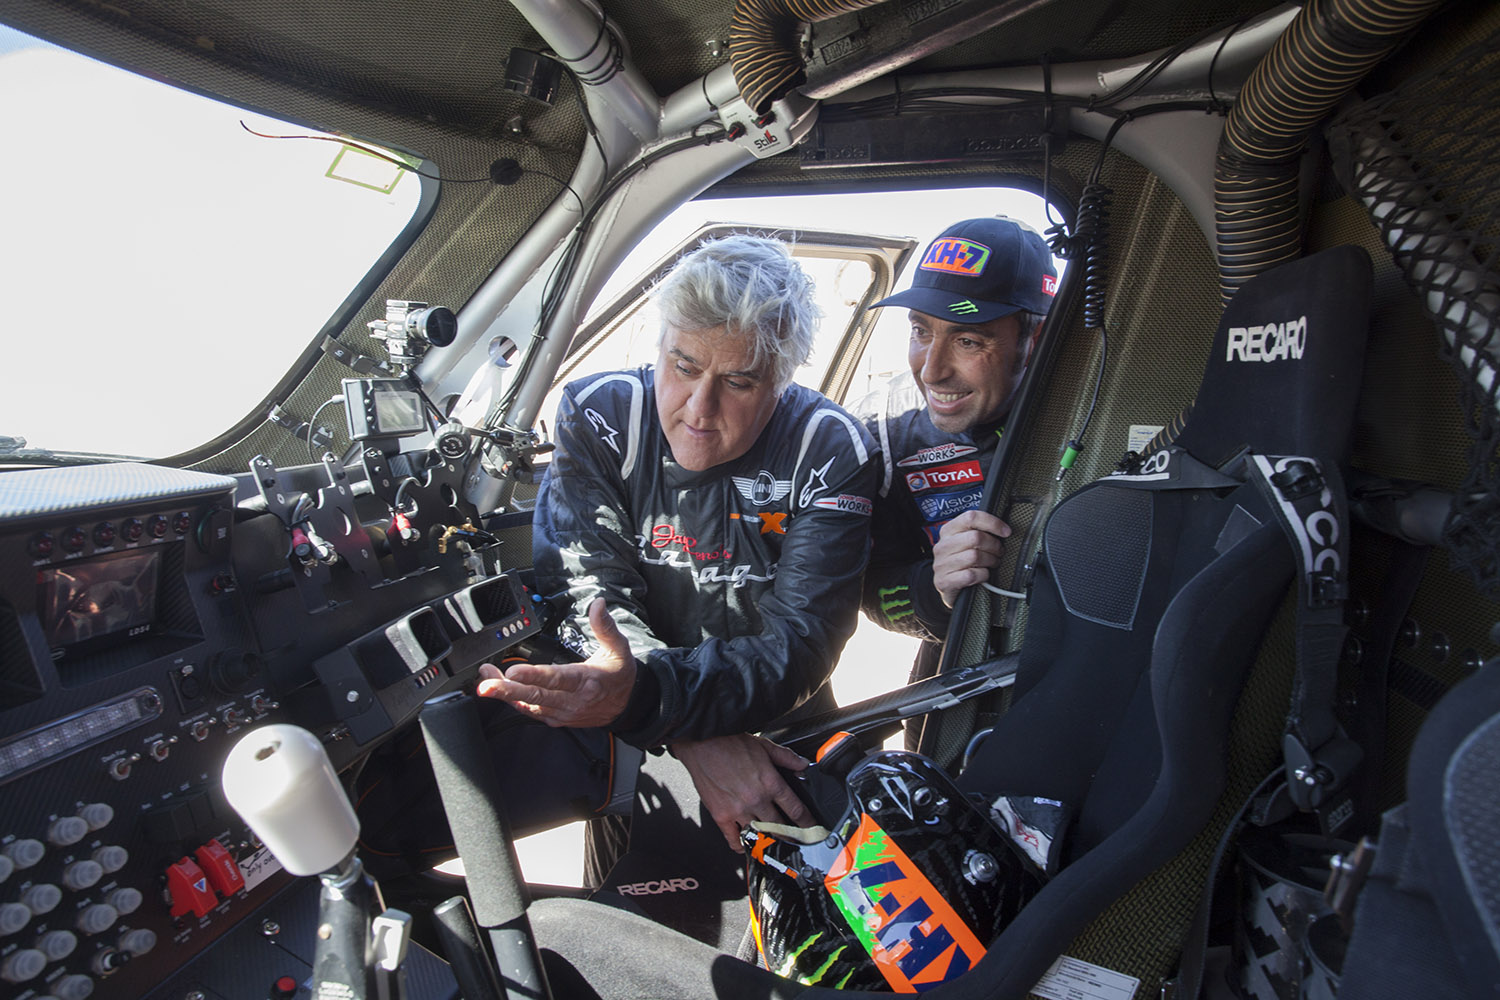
(976, 307)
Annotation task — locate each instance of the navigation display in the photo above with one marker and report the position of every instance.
(88, 600)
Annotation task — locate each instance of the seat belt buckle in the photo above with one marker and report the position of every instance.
(1346, 876)
(1315, 777)
(1300, 478)
(1325, 588)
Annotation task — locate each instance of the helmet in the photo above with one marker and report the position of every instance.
(903, 889)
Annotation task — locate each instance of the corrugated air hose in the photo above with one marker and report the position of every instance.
(1324, 52)
(763, 49)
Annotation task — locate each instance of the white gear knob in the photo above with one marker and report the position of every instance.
(280, 781)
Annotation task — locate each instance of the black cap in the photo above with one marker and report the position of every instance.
(982, 269)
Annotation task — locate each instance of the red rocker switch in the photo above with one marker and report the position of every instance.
(189, 889)
(219, 866)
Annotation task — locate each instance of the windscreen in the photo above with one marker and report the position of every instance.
(167, 257)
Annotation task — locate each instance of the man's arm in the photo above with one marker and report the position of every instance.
(741, 684)
(898, 592)
(585, 544)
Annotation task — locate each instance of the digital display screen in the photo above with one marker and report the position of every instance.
(87, 600)
(397, 411)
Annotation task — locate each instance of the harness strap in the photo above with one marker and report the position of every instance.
(1311, 506)
(1309, 503)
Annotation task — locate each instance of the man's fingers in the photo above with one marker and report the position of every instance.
(784, 757)
(731, 831)
(606, 631)
(793, 807)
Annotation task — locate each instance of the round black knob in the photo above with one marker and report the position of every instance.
(104, 534)
(41, 545)
(233, 670)
(132, 529)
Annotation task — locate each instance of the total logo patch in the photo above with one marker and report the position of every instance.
(937, 453)
(953, 255)
(1049, 284)
(956, 474)
(847, 502)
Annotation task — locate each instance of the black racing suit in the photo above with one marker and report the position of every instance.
(928, 478)
(736, 587)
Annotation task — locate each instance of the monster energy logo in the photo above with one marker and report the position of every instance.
(963, 307)
(893, 607)
(788, 968)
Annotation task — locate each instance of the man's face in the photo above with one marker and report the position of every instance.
(967, 372)
(712, 404)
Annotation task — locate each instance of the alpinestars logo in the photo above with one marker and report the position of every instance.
(937, 453)
(763, 489)
(816, 483)
(1272, 342)
(601, 427)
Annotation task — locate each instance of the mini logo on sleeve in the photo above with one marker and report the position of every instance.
(956, 256)
(846, 502)
(763, 489)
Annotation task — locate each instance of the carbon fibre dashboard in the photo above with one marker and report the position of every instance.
(151, 616)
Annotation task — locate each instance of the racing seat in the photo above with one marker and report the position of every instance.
(1153, 590)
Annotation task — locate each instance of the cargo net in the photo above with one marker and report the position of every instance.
(1422, 160)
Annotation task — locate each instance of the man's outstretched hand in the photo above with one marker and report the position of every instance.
(591, 693)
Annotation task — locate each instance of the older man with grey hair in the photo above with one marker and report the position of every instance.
(710, 520)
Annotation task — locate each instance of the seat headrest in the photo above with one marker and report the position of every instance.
(1284, 371)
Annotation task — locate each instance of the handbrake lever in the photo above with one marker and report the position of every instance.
(462, 764)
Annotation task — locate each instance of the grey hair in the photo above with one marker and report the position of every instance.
(754, 289)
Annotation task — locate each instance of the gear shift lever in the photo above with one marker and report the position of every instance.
(281, 783)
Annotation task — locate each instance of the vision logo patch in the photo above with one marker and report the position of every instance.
(953, 255)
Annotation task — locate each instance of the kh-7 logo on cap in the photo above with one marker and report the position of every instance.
(955, 256)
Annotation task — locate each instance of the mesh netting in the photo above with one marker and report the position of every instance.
(1421, 159)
